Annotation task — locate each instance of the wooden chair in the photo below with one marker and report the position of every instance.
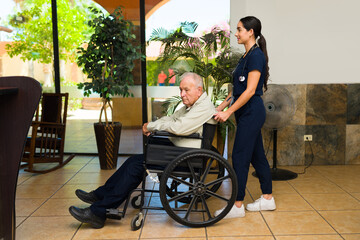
(46, 144)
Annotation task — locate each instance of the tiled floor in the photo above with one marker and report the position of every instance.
(324, 203)
(80, 138)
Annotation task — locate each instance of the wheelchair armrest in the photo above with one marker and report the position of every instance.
(167, 134)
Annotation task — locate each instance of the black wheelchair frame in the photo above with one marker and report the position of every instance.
(191, 182)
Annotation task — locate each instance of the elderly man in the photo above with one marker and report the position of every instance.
(189, 119)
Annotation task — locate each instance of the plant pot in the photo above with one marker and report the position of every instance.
(107, 141)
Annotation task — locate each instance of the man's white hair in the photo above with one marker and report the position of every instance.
(196, 77)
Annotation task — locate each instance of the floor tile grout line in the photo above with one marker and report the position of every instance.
(351, 194)
(169, 238)
(341, 210)
(76, 231)
(32, 175)
(21, 222)
(253, 199)
(206, 233)
(297, 192)
(142, 227)
(268, 226)
(309, 234)
(329, 224)
(146, 210)
(304, 210)
(337, 185)
(246, 235)
(314, 208)
(317, 211)
(54, 193)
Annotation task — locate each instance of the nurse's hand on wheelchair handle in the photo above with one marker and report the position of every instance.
(221, 116)
(218, 109)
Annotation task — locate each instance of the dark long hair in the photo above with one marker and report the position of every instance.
(251, 22)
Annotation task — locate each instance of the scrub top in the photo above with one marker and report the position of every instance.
(254, 60)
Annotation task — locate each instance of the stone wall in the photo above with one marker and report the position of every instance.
(328, 112)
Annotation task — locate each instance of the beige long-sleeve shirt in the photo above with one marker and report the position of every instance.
(187, 120)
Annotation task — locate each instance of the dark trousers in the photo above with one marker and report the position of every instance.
(248, 147)
(118, 187)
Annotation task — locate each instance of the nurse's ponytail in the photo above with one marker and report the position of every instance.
(262, 45)
(251, 22)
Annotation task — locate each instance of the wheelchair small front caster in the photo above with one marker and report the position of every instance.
(137, 221)
(136, 202)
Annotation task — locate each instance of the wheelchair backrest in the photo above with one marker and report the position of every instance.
(208, 135)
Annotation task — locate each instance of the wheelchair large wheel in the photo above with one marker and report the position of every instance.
(217, 170)
(192, 171)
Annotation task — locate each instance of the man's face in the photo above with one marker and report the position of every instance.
(189, 92)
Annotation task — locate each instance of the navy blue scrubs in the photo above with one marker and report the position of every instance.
(248, 145)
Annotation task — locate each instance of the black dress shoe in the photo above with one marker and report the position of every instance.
(88, 197)
(85, 215)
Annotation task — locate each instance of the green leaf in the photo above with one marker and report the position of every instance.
(33, 38)
(109, 56)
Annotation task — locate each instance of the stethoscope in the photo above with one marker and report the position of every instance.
(242, 77)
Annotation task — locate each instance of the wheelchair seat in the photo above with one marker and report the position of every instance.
(159, 155)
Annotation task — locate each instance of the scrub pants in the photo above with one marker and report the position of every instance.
(248, 146)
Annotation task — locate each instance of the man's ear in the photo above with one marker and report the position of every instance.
(200, 90)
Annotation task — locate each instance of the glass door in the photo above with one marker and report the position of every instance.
(127, 111)
(195, 19)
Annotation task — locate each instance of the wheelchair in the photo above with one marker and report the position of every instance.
(193, 183)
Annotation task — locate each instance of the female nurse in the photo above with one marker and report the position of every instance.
(249, 79)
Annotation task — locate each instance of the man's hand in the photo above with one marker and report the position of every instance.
(146, 132)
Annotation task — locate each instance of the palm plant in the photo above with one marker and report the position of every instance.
(199, 52)
(209, 56)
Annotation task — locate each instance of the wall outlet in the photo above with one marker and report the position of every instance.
(307, 138)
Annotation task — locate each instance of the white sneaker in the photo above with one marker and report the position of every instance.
(235, 212)
(261, 204)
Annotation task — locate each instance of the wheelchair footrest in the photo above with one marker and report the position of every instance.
(113, 214)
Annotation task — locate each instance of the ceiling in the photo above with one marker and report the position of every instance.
(131, 7)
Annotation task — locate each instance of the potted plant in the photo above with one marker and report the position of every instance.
(108, 60)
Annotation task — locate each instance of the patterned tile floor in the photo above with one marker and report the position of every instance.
(323, 203)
